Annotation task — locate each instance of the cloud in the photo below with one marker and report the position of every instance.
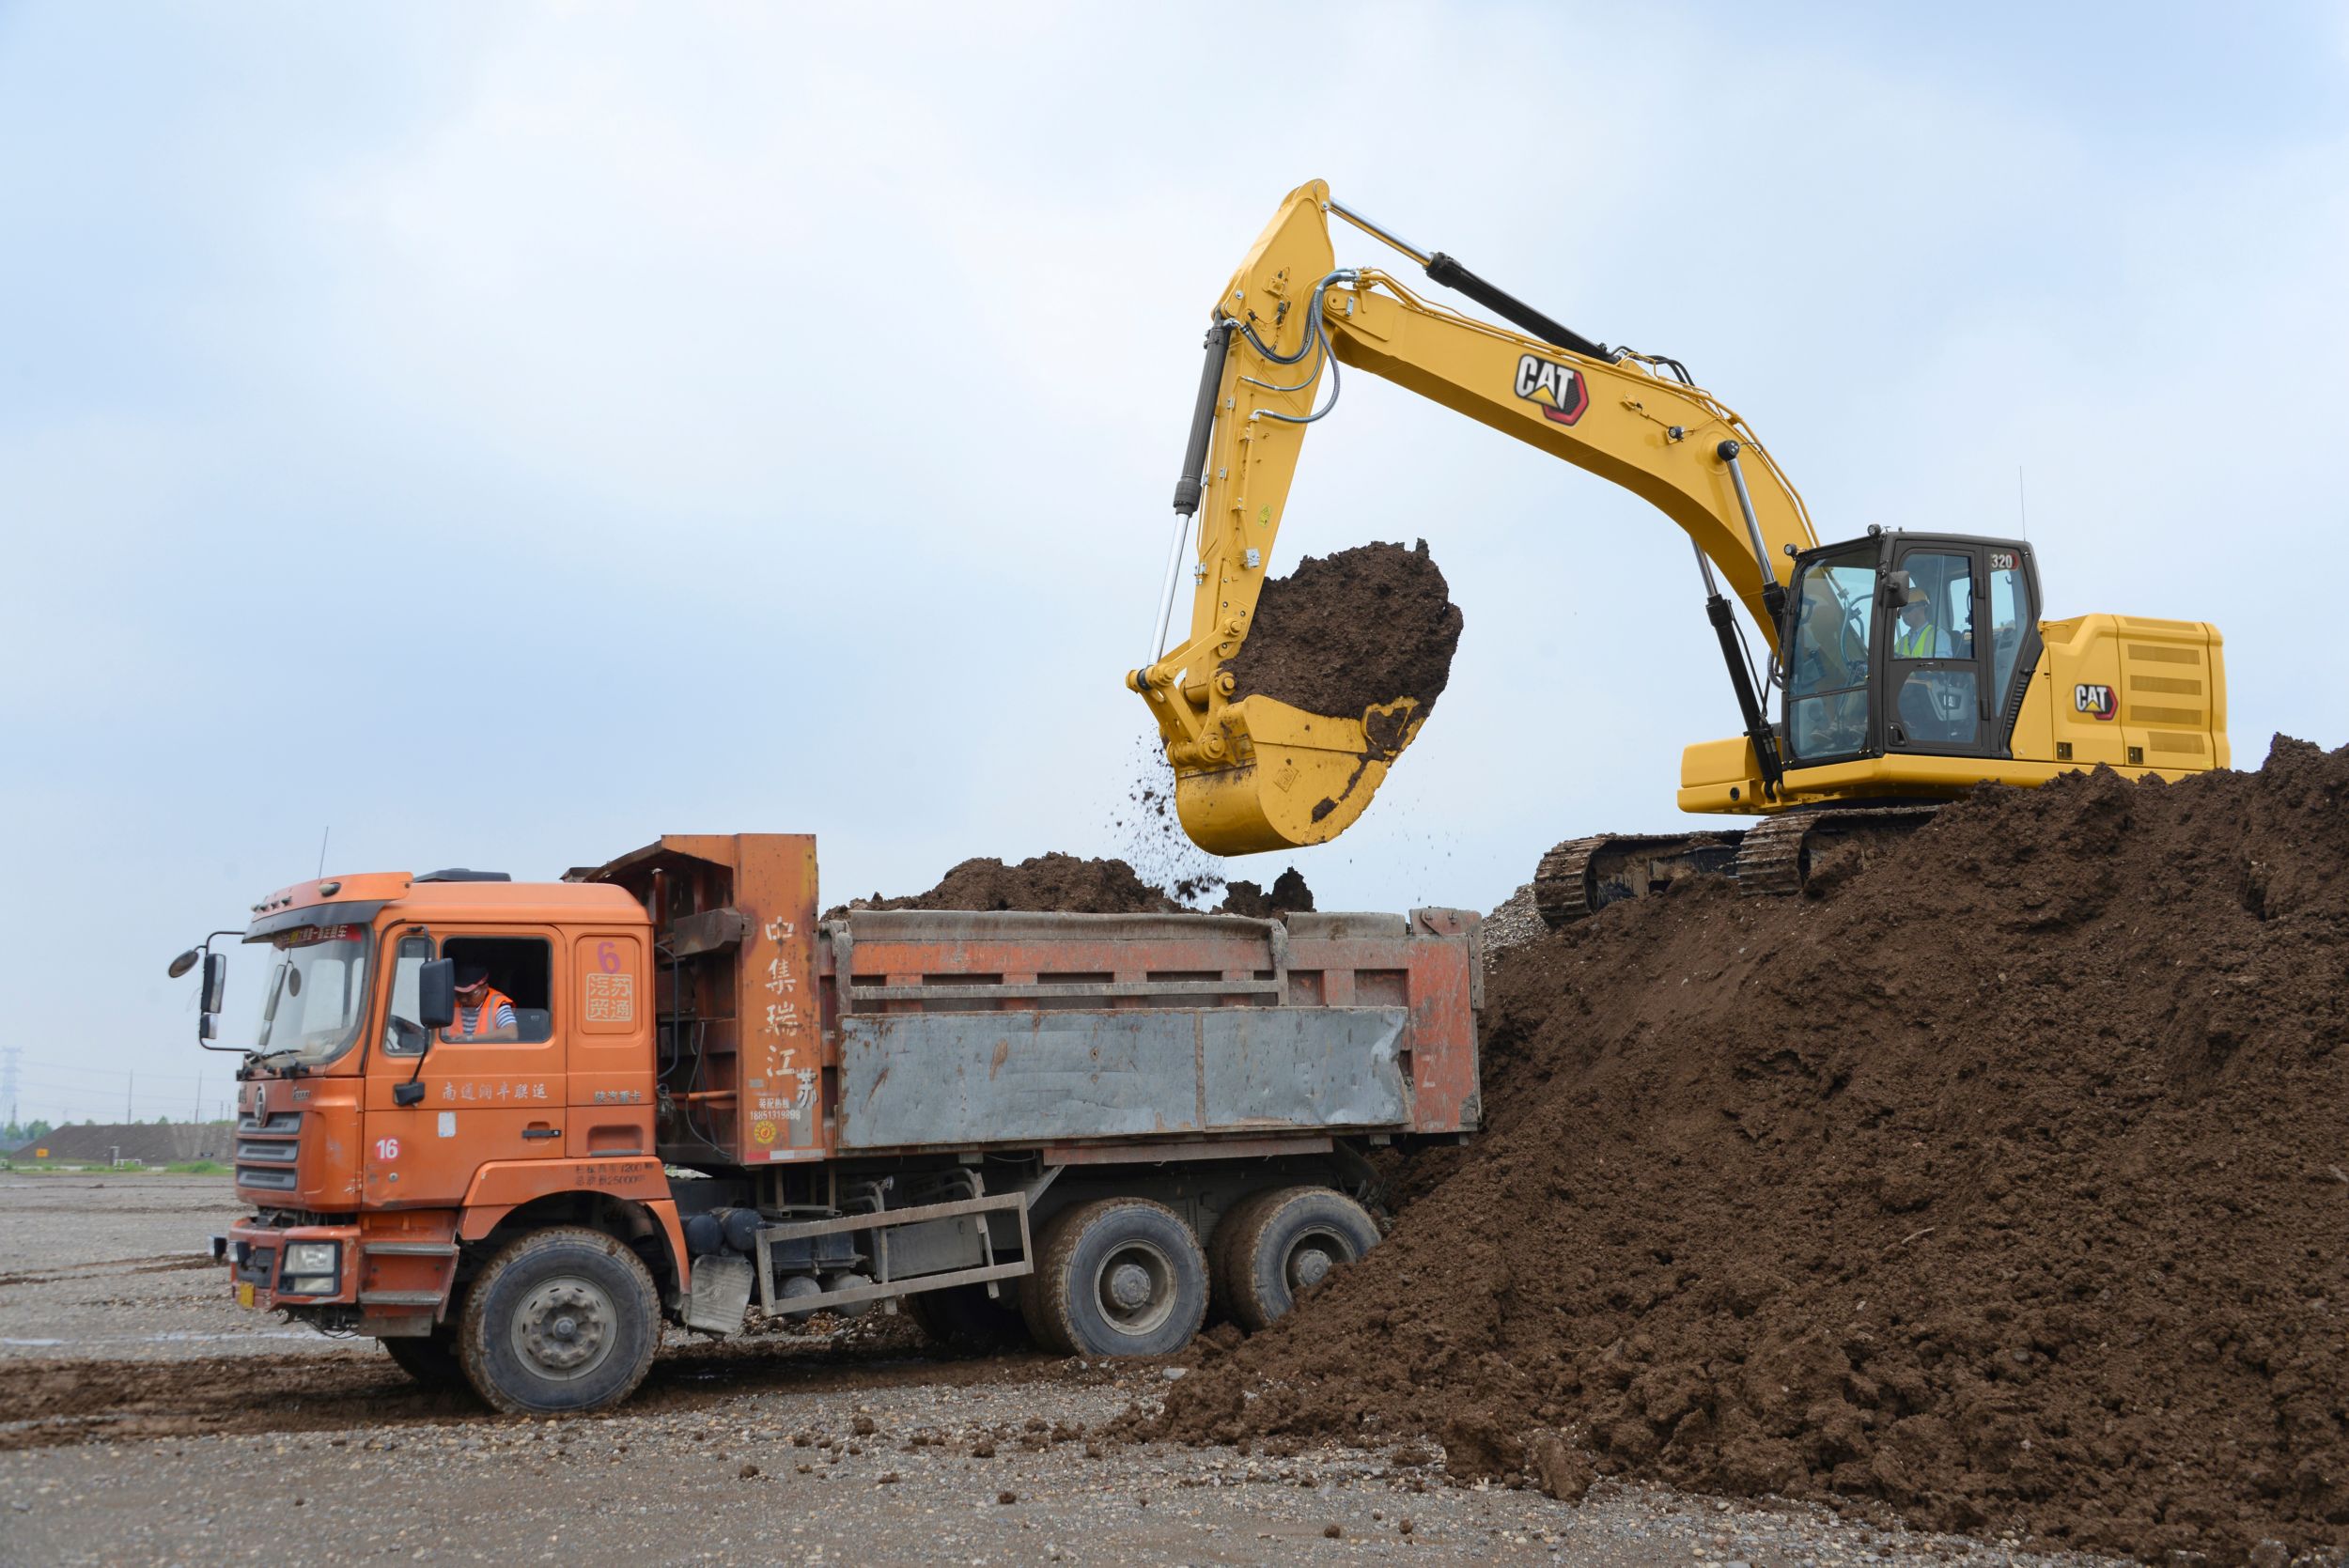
(728, 417)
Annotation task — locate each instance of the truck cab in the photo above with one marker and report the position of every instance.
(375, 1139)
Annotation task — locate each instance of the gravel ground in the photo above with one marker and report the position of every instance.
(869, 1448)
(116, 1266)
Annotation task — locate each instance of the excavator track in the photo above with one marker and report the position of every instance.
(1583, 876)
(1776, 858)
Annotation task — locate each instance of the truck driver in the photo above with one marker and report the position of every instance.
(483, 1012)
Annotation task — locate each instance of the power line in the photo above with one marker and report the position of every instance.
(41, 1065)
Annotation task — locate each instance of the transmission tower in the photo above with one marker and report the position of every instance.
(7, 1079)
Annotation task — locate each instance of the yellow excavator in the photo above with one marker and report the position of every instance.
(1909, 667)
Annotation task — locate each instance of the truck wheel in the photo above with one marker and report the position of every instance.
(1119, 1277)
(1278, 1244)
(1222, 1243)
(965, 1318)
(431, 1359)
(563, 1322)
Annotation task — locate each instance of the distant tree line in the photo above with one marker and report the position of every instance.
(14, 1133)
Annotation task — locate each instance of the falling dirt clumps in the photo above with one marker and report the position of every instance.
(1053, 883)
(1351, 630)
(1288, 895)
(2004, 1186)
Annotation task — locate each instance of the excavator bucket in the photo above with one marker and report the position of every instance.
(1286, 777)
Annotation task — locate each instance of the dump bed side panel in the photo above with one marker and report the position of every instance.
(1237, 1027)
(926, 1079)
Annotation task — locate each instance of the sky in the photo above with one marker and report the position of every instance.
(498, 435)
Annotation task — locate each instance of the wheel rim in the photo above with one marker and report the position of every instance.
(1135, 1287)
(1312, 1255)
(564, 1328)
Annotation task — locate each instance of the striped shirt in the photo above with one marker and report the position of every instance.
(468, 1018)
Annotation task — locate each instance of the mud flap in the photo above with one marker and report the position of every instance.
(720, 1295)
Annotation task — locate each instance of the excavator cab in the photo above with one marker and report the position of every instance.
(1908, 643)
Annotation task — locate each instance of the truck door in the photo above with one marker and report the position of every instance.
(1935, 687)
(494, 1085)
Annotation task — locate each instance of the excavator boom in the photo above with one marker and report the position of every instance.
(1253, 773)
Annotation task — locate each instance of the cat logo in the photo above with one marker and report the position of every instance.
(1558, 388)
(2098, 701)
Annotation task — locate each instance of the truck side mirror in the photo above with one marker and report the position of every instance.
(215, 982)
(436, 994)
(185, 962)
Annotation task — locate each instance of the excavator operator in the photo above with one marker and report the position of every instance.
(1917, 637)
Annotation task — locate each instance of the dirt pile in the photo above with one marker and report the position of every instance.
(1351, 630)
(1288, 895)
(1055, 883)
(2003, 1185)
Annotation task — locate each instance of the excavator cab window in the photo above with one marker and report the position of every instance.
(1826, 680)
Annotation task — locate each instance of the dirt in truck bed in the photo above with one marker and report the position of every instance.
(1351, 630)
(2001, 1186)
(1053, 883)
(1070, 885)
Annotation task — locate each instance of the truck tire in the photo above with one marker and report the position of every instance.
(1237, 1221)
(431, 1359)
(1278, 1244)
(563, 1322)
(1118, 1276)
(965, 1318)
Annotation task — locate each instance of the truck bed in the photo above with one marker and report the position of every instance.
(785, 1038)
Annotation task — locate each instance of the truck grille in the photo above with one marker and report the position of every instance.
(267, 1149)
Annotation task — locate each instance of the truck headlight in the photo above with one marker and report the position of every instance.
(323, 1286)
(312, 1257)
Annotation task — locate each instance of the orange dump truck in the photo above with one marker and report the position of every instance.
(511, 1129)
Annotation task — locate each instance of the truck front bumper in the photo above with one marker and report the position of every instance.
(298, 1266)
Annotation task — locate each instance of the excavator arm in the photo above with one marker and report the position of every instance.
(1255, 774)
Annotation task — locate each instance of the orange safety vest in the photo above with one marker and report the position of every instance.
(483, 1022)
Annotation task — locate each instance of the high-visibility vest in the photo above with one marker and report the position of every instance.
(1914, 642)
(483, 1022)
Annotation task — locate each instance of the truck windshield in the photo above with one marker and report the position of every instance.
(1827, 681)
(317, 994)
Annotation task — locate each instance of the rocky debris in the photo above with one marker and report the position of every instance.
(1351, 630)
(1513, 922)
(1990, 1189)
